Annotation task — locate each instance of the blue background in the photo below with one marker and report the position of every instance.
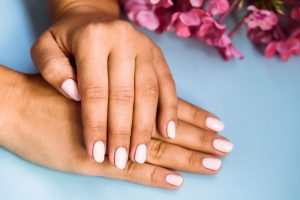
(258, 99)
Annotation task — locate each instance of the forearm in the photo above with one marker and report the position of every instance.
(9, 94)
(107, 8)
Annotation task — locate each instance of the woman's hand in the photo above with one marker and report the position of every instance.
(122, 77)
(45, 128)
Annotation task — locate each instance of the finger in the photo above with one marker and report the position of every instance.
(167, 113)
(194, 138)
(55, 66)
(198, 117)
(145, 105)
(162, 154)
(91, 60)
(121, 98)
(145, 174)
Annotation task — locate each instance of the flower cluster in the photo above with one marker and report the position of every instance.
(273, 24)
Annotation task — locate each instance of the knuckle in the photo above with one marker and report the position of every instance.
(121, 132)
(144, 130)
(168, 80)
(155, 176)
(124, 29)
(95, 93)
(130, 169)
(92, 29)
(49, 66)
(149, 90)
(157, 149)
(123, 95)
(196, 116)
(203, 141)
(192, 159)
(92, 124)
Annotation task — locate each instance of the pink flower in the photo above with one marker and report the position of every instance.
(210, 31)
(264, 19)
(296, 13)
(217, 7)
(227, 49)
(263, 37)
(196, 3)
(161, 3)
(183, 22)
(141, 13)
(285, 48)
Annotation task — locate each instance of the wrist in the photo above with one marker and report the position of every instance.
(107, 9)
(11, 87)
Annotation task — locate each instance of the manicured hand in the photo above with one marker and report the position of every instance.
(55, 132)
(121, 78)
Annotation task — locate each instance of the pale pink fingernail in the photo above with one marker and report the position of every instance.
(214, 124)
(121, 158)
(212, 163)
(174, 179)
(70, 87)
(223, 145)
(99, 151)
(171, 129)
(141, 153)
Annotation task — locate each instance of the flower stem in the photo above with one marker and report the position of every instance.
(232, 6)
(237, 28)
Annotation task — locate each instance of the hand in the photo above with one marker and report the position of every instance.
(122, 78)
(52, 137)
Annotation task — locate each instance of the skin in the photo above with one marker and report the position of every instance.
(122, 76)
(40, 125)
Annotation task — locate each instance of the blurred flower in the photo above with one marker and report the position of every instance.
(296, 13)
(183, 22)
(196, 3)
(161, 3)
(216, 7)
(264, 19)
(141, 12)
(285, 48)
(227, 49)
(210, 31)
(267, 22)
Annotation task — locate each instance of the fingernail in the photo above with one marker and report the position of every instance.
(71, 89)
(171, 129)
(121, 158)
(141, 153)
(99, 152)
(214, 124)
(223, 145)
(212, 163)
(174, 179)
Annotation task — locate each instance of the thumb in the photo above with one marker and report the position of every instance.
(55, 66)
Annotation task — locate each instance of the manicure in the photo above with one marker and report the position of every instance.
(171, 129)
(214, 124)
(71, 89)
(99, 152)
(174, 179)
(121, 158)
(223, 145)
(212, 163)
(141, 153)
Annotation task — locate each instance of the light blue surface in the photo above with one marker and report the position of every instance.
(258, 99)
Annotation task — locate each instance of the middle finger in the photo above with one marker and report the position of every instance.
(121, 99)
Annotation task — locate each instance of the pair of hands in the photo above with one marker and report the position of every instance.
(121, 78)
(40, 125)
